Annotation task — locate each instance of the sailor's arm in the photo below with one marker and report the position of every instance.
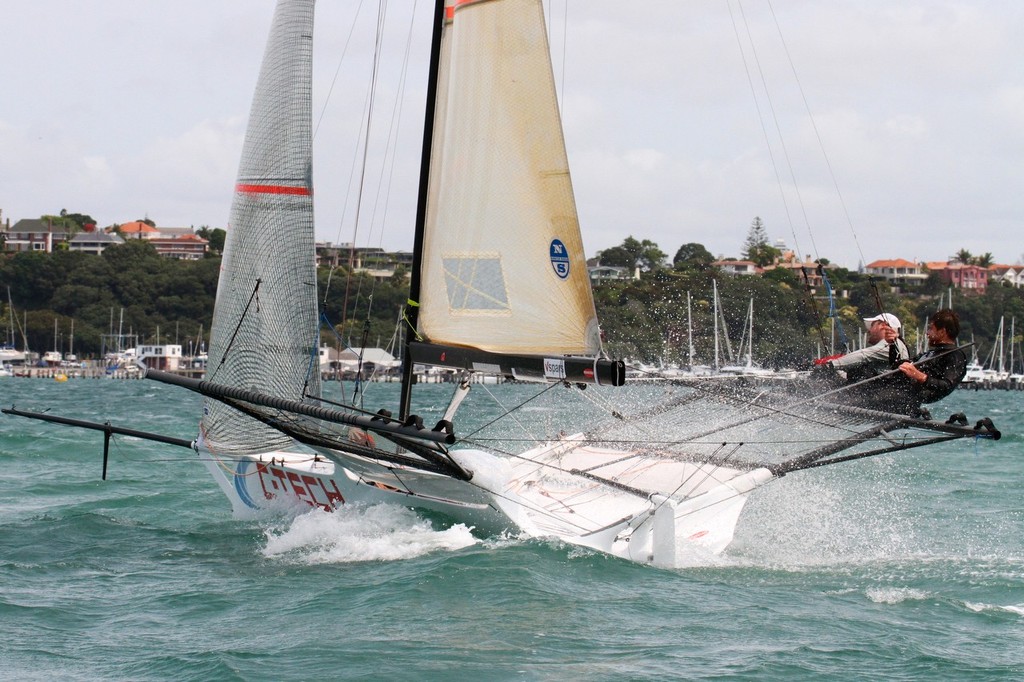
(937, 384)
(876, 353)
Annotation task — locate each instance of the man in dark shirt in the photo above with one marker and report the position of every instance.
(926, 378)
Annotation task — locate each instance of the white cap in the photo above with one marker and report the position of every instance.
(888, 318)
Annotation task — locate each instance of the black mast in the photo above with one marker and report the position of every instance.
(412, 307)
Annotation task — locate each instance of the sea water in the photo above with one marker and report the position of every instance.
(903, 567)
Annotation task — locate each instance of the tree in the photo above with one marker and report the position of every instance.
(763, 255)
(214, 236)
(964, 256)
(632, 253)
(985, 259)
(692, 256)
(756, 247)
(616, 256)
(757, 236)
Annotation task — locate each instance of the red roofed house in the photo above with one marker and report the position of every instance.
(138, 230)
(182, 247)
(181, 243)
(897, 271)
(961, 276)
(806, 271)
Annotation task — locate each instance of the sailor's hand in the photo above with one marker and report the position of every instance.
(890, 334)
(913, 373)
(823, 371)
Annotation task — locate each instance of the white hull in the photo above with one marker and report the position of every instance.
(10, 355)
(519, 494)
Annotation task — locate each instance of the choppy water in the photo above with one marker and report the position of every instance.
(906, 567)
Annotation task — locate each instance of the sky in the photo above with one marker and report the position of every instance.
(856, 131)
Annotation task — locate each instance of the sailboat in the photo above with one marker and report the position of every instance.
(54, 357)
(499, 286)
(9, 353)
(748, 368)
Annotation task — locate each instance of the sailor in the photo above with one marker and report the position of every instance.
(936, 372)
(926, 378)
(880, 356)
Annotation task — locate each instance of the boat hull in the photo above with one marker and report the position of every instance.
(500, 497)
(327, 480)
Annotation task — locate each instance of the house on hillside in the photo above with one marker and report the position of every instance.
(180, 243)
(188, 246)
(34, 234)
(961, 276)
(805, 271)
(898, 272)
(738, 267)
(138, 230)
(606, 273)
(93, 242)
(370, 260)
(1007, 275)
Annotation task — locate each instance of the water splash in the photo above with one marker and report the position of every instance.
(358, 533)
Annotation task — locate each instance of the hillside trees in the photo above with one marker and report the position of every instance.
(633, 253)
(692, 256)
(176, 296)
(215, 237)
(643, 319)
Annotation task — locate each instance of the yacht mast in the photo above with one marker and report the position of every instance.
(412, 307)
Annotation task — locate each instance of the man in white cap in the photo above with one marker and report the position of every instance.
(875, 358)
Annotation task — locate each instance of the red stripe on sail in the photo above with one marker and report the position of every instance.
(272, 189)
(450, 10)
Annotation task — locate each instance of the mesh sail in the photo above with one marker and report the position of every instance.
(503, 266)
(264, 333)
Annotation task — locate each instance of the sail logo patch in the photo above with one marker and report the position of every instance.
(559, 258)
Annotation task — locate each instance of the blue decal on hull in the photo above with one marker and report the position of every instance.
(240, 476)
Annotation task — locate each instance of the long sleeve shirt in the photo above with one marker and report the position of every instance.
(870, 361)
(945, 364)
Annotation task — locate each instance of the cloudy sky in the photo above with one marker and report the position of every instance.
(855, 130)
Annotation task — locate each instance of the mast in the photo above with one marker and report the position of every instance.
(1010, 365)
(714, 284)
(10, 320)
(412, 307)
(689, 327)
(750, 335)
(1002, 352)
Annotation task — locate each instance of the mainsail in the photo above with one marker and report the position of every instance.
(264, 334)
(503, 266)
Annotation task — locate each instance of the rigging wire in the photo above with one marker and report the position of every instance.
(827, 160)
(384, 181)
(377, 50)
(761, 120)
(817, 133)
(337, 69)
(508, 412)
